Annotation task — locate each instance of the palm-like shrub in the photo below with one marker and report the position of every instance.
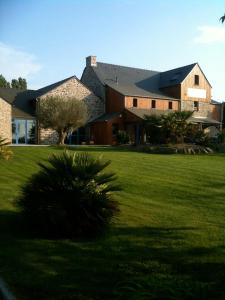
(70, 196)
(5, 152)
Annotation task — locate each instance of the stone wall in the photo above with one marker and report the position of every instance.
(90, 79)
(72, 88)
(5, 120)
(204, 110)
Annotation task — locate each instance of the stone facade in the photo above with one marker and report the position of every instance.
(90, 79)
(5, 120)
(204, 110)
(72, 88)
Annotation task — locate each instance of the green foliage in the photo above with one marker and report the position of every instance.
(167, 128)
(3, 82)
(70, 196)
(167, 243)
(221, 137)
(163, 149)
(19, 83)
(152, 125)
(122, 137)
(5, 152)
(62, 115)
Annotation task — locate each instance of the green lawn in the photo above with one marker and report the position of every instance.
(168, 242)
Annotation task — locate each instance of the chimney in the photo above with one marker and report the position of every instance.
(91, 61)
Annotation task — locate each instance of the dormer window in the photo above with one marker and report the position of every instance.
(196, 79)
(135, 102)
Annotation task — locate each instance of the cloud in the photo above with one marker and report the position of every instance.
(15, 63)
(210, 35)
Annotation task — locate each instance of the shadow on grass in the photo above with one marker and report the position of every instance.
(128, 263)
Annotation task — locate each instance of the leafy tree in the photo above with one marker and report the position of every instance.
(62, 115)
(70, 196)
(19, 83)
(4, 82)
(170, 127)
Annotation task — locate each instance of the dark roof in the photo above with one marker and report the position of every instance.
(141, 113)
(50, 87)
(175, 76)
(130, 81)
(106, 117)
(23, 105)
(140, 82)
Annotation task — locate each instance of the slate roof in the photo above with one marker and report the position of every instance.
(23, 105)
(23, 102)
(141, 113)
(175, 76)
(106, 117)
(140, 82)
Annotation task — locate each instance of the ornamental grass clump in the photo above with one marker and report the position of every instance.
(69, 197)
(5, 151)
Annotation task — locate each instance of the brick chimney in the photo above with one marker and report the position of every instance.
(91, 61)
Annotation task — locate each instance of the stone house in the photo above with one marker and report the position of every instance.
(117, 98)
(18, 121)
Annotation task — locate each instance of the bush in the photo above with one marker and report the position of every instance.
(5, 152)
(122, 137)
(158, 149)
(69, 197)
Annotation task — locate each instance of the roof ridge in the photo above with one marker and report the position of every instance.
(99, 62)
(55, 83)
(193, 64)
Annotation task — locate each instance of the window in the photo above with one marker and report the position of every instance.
(170, 105)
(135, 102)
(196, 79)
(196, 105)
(153, 104)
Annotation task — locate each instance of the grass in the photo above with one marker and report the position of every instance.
(167, 243)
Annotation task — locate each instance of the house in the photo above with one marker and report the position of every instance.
(18, 122)
(130, 93)
(117, 98)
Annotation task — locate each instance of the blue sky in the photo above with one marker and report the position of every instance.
(47, 40)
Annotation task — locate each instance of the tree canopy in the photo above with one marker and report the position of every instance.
(19, 83)
(62, 114)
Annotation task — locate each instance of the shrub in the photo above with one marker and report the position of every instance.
(158, 149)
(122, 137)
(5, 152)
(70, 196)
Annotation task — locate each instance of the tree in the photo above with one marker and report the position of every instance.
(4, 82)
(222, 19)
(62, 115)
(19, 83)
(171, 127)
(70, 196)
